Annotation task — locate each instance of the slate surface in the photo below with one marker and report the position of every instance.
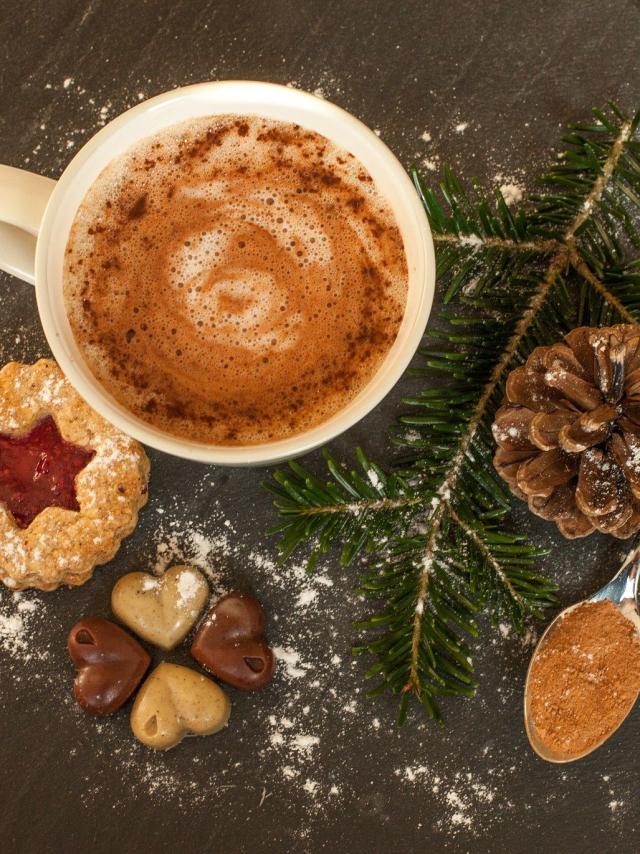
(512, 72)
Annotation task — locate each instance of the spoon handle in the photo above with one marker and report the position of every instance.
(631, 570)
(622, 590)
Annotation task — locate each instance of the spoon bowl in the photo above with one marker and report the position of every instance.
(622, 591)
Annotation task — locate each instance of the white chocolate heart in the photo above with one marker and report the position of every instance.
(160, 610)
(174, 702)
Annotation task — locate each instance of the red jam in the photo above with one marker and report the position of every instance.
(38, 470)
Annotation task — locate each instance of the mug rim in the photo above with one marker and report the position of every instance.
(78, 373)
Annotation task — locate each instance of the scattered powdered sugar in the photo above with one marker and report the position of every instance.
(188, 586)
(502, 434)
(527, 639)
(374, 478)
(444, 141)
(431, 163)
(11, 632)
(306, 598)
(294, 667)
(511, 189)
(472, 240)
(309, 584)
(304, 743)
(18, 621)
(633, 461)
(310, 786)
(620, 795)
(465, 800)
(511, 193)
(412, 773)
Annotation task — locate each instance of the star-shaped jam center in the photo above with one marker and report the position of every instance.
(38, 469)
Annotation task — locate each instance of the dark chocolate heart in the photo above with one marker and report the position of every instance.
(229, 643)
(110, 665)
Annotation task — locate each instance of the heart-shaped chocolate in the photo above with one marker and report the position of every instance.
(176, 701)
(229, 643)
(110, 664)
(160, 609)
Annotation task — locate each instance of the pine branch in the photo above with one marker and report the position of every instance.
(437, 582)
(359, 509)
(520, 280)
(622, 283)
(514, 591)
(599, 177)
(627, 308)
(477, 247)
(583, 179)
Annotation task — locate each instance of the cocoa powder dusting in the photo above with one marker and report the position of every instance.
(584, 678)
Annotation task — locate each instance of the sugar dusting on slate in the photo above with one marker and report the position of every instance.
(18, 613)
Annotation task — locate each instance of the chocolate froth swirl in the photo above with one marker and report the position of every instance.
(234, 280)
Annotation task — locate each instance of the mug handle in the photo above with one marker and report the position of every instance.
(23, 199)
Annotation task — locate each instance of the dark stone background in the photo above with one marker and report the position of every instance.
(514, 72)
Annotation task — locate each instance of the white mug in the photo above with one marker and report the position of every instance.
(36, 215)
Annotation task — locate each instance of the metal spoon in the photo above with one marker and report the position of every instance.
(622, 590)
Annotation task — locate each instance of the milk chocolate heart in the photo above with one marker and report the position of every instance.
(110, 664)
(160, 609)
(176, 701)
(229, 643)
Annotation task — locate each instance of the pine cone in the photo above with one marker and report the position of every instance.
(568, 432)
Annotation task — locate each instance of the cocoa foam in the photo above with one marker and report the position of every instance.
(234, 280)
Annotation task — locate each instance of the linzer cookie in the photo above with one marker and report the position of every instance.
(71, 484)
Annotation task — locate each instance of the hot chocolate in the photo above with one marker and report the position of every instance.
(235, 280)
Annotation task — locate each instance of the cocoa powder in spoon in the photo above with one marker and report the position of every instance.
(584, 678)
